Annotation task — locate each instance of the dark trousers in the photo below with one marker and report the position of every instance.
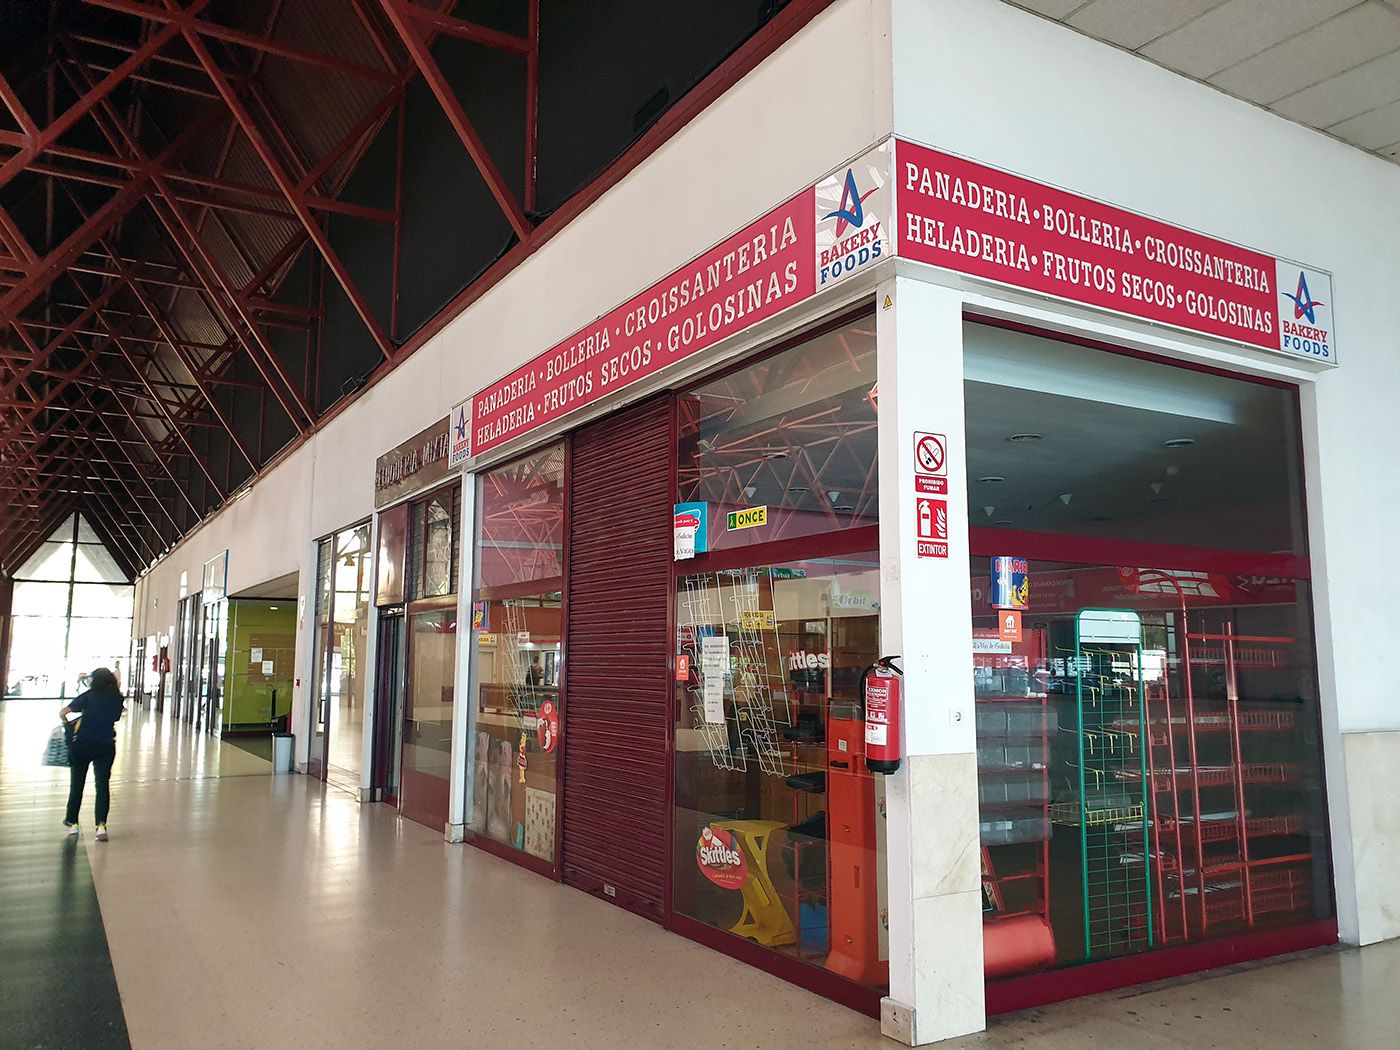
(80, 756)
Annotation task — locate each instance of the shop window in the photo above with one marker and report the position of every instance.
(517, 621)
(791, 440)
(778, 824)
(426, 756)
(1066, 439)
(1149, 763)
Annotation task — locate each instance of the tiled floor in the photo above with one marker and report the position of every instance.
(255, 911)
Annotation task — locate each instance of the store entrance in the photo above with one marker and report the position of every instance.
(389, 693)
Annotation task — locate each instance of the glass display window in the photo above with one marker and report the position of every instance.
(1148, 730)
(786, 446)
(518, 654)
(779, 826)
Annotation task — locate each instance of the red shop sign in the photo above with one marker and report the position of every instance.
(993, 225)
(763, 269)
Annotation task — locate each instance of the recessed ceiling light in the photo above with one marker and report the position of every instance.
(1026, 437)
(990, 479)
(774, 453)
(1003, 521)
(1179, 443)
(798, 488)
(844, 507)
(1159, 499)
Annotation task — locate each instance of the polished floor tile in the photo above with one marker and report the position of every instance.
(247, 910)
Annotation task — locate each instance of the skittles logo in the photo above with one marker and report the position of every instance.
(720, 859)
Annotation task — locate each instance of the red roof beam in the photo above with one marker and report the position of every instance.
(188, 24)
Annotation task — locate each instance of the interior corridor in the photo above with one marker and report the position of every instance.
(241, 909)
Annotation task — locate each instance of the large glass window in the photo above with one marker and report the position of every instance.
(779, 838)
(71, 613)
(342, 631)
(779, 827)
(794, 434)
(1149, 762)
(426, 762)
(517, 624)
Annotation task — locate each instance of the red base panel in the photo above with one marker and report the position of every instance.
(1021, 993)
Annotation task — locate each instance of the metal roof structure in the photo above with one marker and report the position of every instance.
(190, 275)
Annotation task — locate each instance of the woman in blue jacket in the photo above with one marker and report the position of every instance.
(94, 743)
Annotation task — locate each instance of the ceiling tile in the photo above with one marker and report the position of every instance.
(1132, 23)
(1234, 31)
(1352, 38)
(1371, 130)
(1358, 90)
(1051, 8)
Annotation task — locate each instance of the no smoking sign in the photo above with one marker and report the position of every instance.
(930, 463)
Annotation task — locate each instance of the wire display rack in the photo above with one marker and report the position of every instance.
(1112, 775)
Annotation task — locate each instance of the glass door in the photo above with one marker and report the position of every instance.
(388, 719)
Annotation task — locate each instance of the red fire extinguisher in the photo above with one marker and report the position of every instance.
(879, 691)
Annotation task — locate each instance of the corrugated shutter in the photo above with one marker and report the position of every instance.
(618, 699)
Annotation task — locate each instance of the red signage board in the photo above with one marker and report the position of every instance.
(996, 226)
(763, 269)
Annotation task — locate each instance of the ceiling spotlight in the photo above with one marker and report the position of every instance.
(1065, 497)
(1157, 487)
(833, 495)
(1179, 443)
(990, 479)
(1026, 437)
(1173, 471)
(989, 511)
(750, 491)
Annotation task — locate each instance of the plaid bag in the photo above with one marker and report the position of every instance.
(56, 753)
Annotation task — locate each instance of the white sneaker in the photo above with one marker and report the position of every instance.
(102, 833)
(72, 828)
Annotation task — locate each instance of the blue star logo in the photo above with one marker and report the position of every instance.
(461, 426)
(1304, 305)
(852, 210)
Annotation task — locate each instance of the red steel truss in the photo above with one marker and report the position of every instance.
(158, 186)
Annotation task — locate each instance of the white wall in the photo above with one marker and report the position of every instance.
(1004, 87)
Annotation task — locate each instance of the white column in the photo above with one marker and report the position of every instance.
(463, 710)
(369, 668)
(935, 909)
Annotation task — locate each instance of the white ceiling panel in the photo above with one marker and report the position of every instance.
(1132, 23)
(1373, 130)
(1235, 31)
(1050, 8)
(1367, 87)
(1332, 65)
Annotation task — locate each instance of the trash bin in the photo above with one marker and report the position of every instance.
(282, 752)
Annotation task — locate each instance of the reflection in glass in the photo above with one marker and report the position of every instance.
(779, 830)
(518, 655)
(794, 433)
(1145, 797)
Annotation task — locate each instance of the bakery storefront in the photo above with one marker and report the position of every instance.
(697, 523)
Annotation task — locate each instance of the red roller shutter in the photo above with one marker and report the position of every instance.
(618, 715)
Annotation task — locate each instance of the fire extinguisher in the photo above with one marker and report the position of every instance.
(879, 693)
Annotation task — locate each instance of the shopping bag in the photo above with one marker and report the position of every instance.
(56, 753)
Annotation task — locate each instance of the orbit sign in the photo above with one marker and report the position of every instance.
(930, 463)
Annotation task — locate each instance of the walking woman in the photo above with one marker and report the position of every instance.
(94, 743)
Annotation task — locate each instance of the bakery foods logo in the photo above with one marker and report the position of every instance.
(720, 859)
(851, 209)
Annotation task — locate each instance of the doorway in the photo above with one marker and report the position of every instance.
(388, 721)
